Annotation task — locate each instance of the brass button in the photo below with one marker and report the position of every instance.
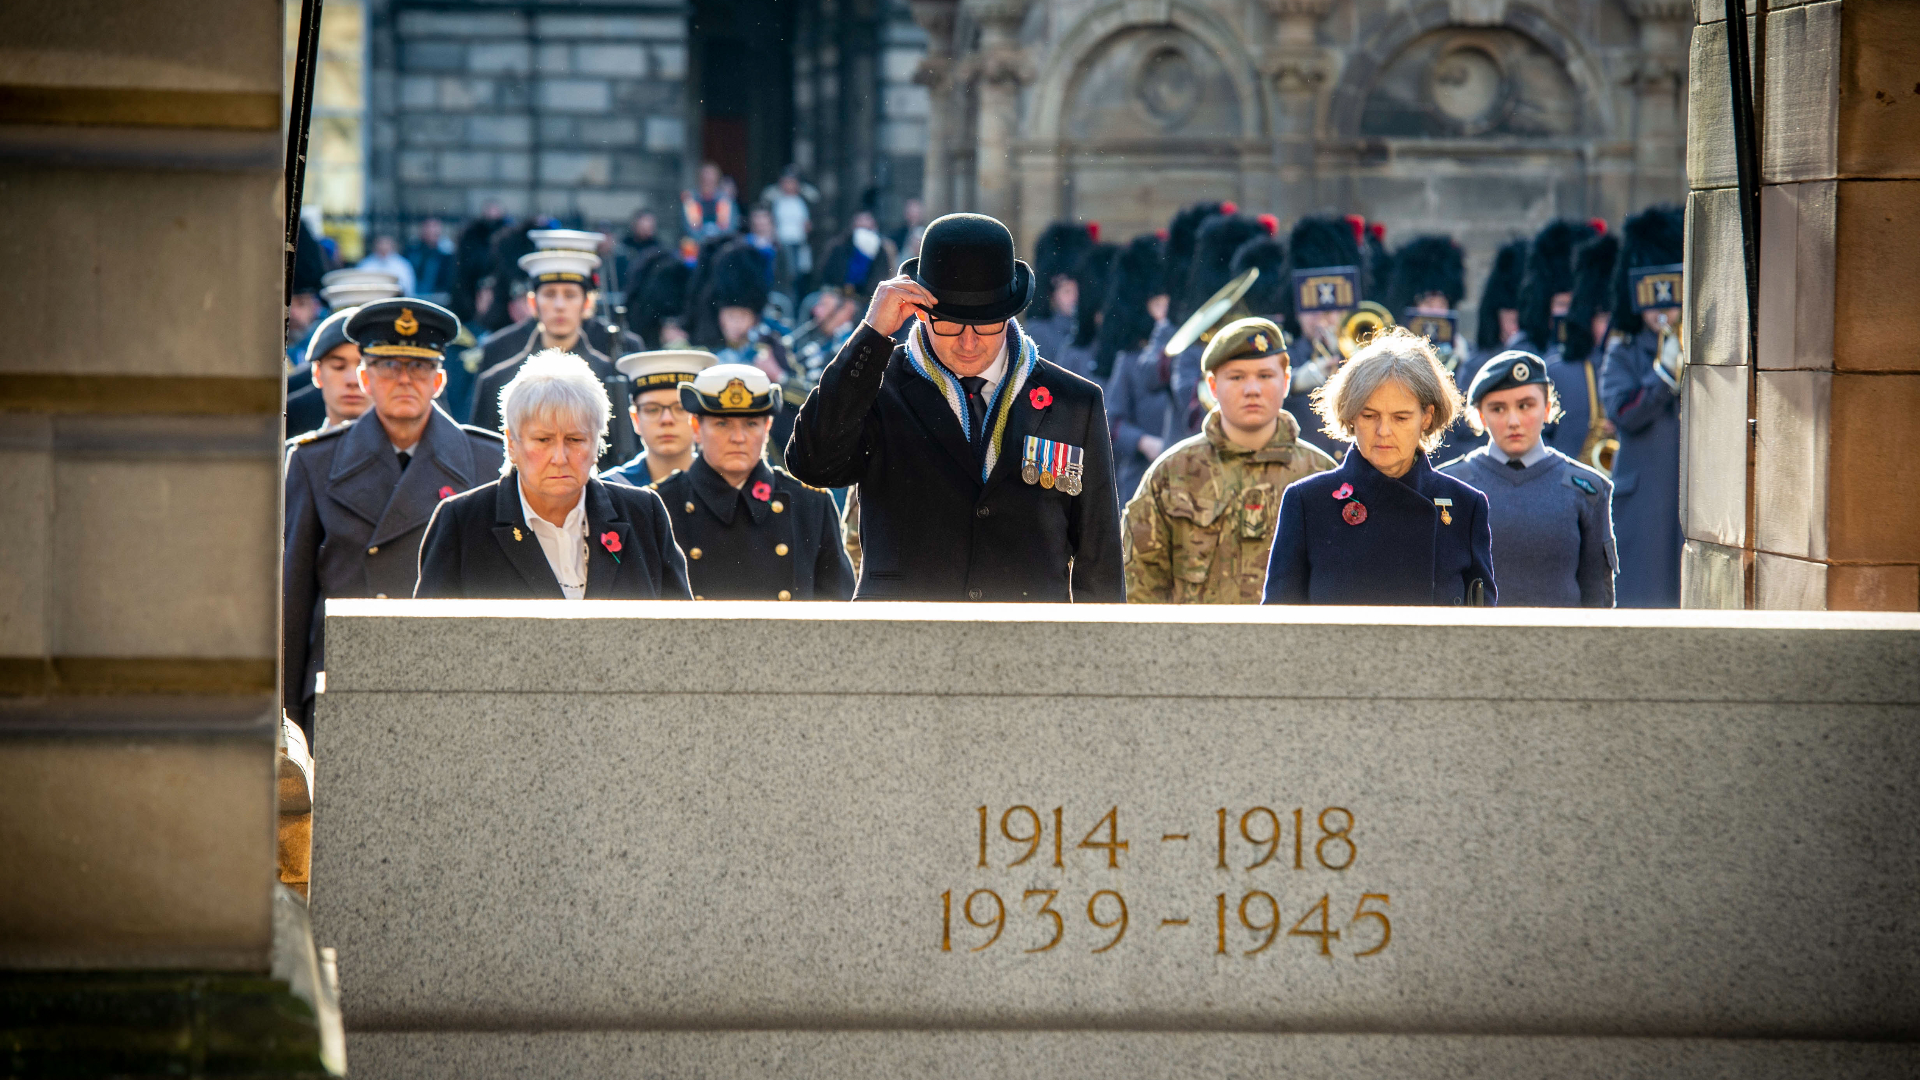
(983, 511)
(693, 553)
(379, 596)
(779, 549)
(974, 594)
(778, 506)
(375, 550)
(697, 596)
(689, 508)
(785, 595)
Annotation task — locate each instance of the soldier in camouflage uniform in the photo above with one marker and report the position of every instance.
(1199, 528)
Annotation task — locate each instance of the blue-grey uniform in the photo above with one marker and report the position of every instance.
(1354, 535)
(356, 508)
(1641, 402)
(1052, 334)
(1139, 403)
(1551, 515)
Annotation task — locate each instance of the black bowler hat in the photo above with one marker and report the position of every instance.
(966, 261)
(403, 326)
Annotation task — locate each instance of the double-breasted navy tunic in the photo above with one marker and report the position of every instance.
(772, 538)
(478, 547)
(1405, 546)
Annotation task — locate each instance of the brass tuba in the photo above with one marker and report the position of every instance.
(1367, 319)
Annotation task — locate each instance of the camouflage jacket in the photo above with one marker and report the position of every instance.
(1199, 528)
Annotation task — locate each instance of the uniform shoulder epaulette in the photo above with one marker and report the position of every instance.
(319, 433)
(494, 435)
(785, 475)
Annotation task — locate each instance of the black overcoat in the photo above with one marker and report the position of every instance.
(1403, 551)
(929, 528)
(773, 538)
(354, 522)
(478, 547)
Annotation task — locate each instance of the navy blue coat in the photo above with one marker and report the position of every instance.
(1402, 553)
(1646, 474)
(478, 547)
(929, 529)
(739, 546)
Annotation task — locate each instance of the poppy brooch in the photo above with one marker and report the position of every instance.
(1040, 397)
(1344, 491)
(763, 491)
(1353, 513)
(611, 541)
(447, 493)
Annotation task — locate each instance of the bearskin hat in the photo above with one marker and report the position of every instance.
(740, 274)
(1500, 293)
(1094, 272)
(1139, 274)
(1427, 264)
(1549, 272)
(1269, 295)
(1054, 255)
(1379, 263)
(1656, 236)
(1213, 249)
(1182, 232)
(1320, 242)
(661, 294)
(1592, 292)
(706, 290)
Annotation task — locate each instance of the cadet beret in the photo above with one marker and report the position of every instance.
(1506, 371)
(403, 327)
(329, 335)
(663, 369)
(730, 390)
(1244, 339)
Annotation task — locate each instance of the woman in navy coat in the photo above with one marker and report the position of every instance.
(1384, 528)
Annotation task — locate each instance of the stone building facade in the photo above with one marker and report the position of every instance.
(1483, 118)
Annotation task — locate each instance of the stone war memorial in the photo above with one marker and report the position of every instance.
(398, 825)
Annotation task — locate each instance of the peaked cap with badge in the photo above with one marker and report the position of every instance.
(403, 328)
(730, 390)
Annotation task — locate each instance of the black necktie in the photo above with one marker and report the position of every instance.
(1516, 464)
(406, 458)
(976, 406)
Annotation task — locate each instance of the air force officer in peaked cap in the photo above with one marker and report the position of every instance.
(359, 495)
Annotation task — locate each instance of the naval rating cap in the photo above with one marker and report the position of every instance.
(730, 390)
(351, 288)
(403, 327)
(1506, 371)
(1244, 339)
(663, 369)
(560, 265)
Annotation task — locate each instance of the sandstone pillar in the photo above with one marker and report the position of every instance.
(1826, 514)
(1298, 70)
(999, 69)
(936, 74)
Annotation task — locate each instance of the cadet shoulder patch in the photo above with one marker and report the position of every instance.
(1583, 483)
(320, 433)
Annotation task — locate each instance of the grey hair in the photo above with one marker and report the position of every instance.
(1394, 354)
(558, 385)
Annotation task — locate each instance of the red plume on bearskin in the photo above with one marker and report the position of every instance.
(1229, 207)
(1598, 225)
(1359, 226)
(1093, 231)
(1379, 231)
(1269, 223)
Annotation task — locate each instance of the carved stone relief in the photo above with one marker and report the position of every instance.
(1466, 82)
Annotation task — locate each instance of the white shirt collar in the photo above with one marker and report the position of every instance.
(996, 370)
(1531, 458)
(564, 545)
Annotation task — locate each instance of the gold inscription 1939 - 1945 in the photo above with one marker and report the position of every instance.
(1245, 922)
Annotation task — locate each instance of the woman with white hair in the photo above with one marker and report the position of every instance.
(548, 528)
(1384, 528)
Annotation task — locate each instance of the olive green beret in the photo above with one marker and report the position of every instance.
(1244, 339)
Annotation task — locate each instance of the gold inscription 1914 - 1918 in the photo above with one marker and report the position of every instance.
(1245, 922)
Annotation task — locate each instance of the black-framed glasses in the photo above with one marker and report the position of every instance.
(949, 328)
(394, 367)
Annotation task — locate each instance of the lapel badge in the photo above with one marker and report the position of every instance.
(407, 324)
(1446, 510)
(1353, 513)
(516, 534)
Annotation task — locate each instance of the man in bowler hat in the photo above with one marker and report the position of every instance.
(985, 471)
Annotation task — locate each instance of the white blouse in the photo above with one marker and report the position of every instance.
(565, 545)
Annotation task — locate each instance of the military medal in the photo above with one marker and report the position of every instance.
(1070, 480)
(1030, 460)
(1446, 511)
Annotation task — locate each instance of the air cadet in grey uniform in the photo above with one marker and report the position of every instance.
(359, 495)
(750, 530)
(1551, 516)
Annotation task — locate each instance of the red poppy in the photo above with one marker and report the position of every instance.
(447, 493)
(611, 541)
(1343, 491)
(1354, 513)
(1040, 397)
(763, 491)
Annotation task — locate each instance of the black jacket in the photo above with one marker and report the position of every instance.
(478, 547)
(772, 539)
(354, 522)
(929, 529)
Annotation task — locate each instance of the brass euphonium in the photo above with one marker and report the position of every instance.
(1367, 319)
